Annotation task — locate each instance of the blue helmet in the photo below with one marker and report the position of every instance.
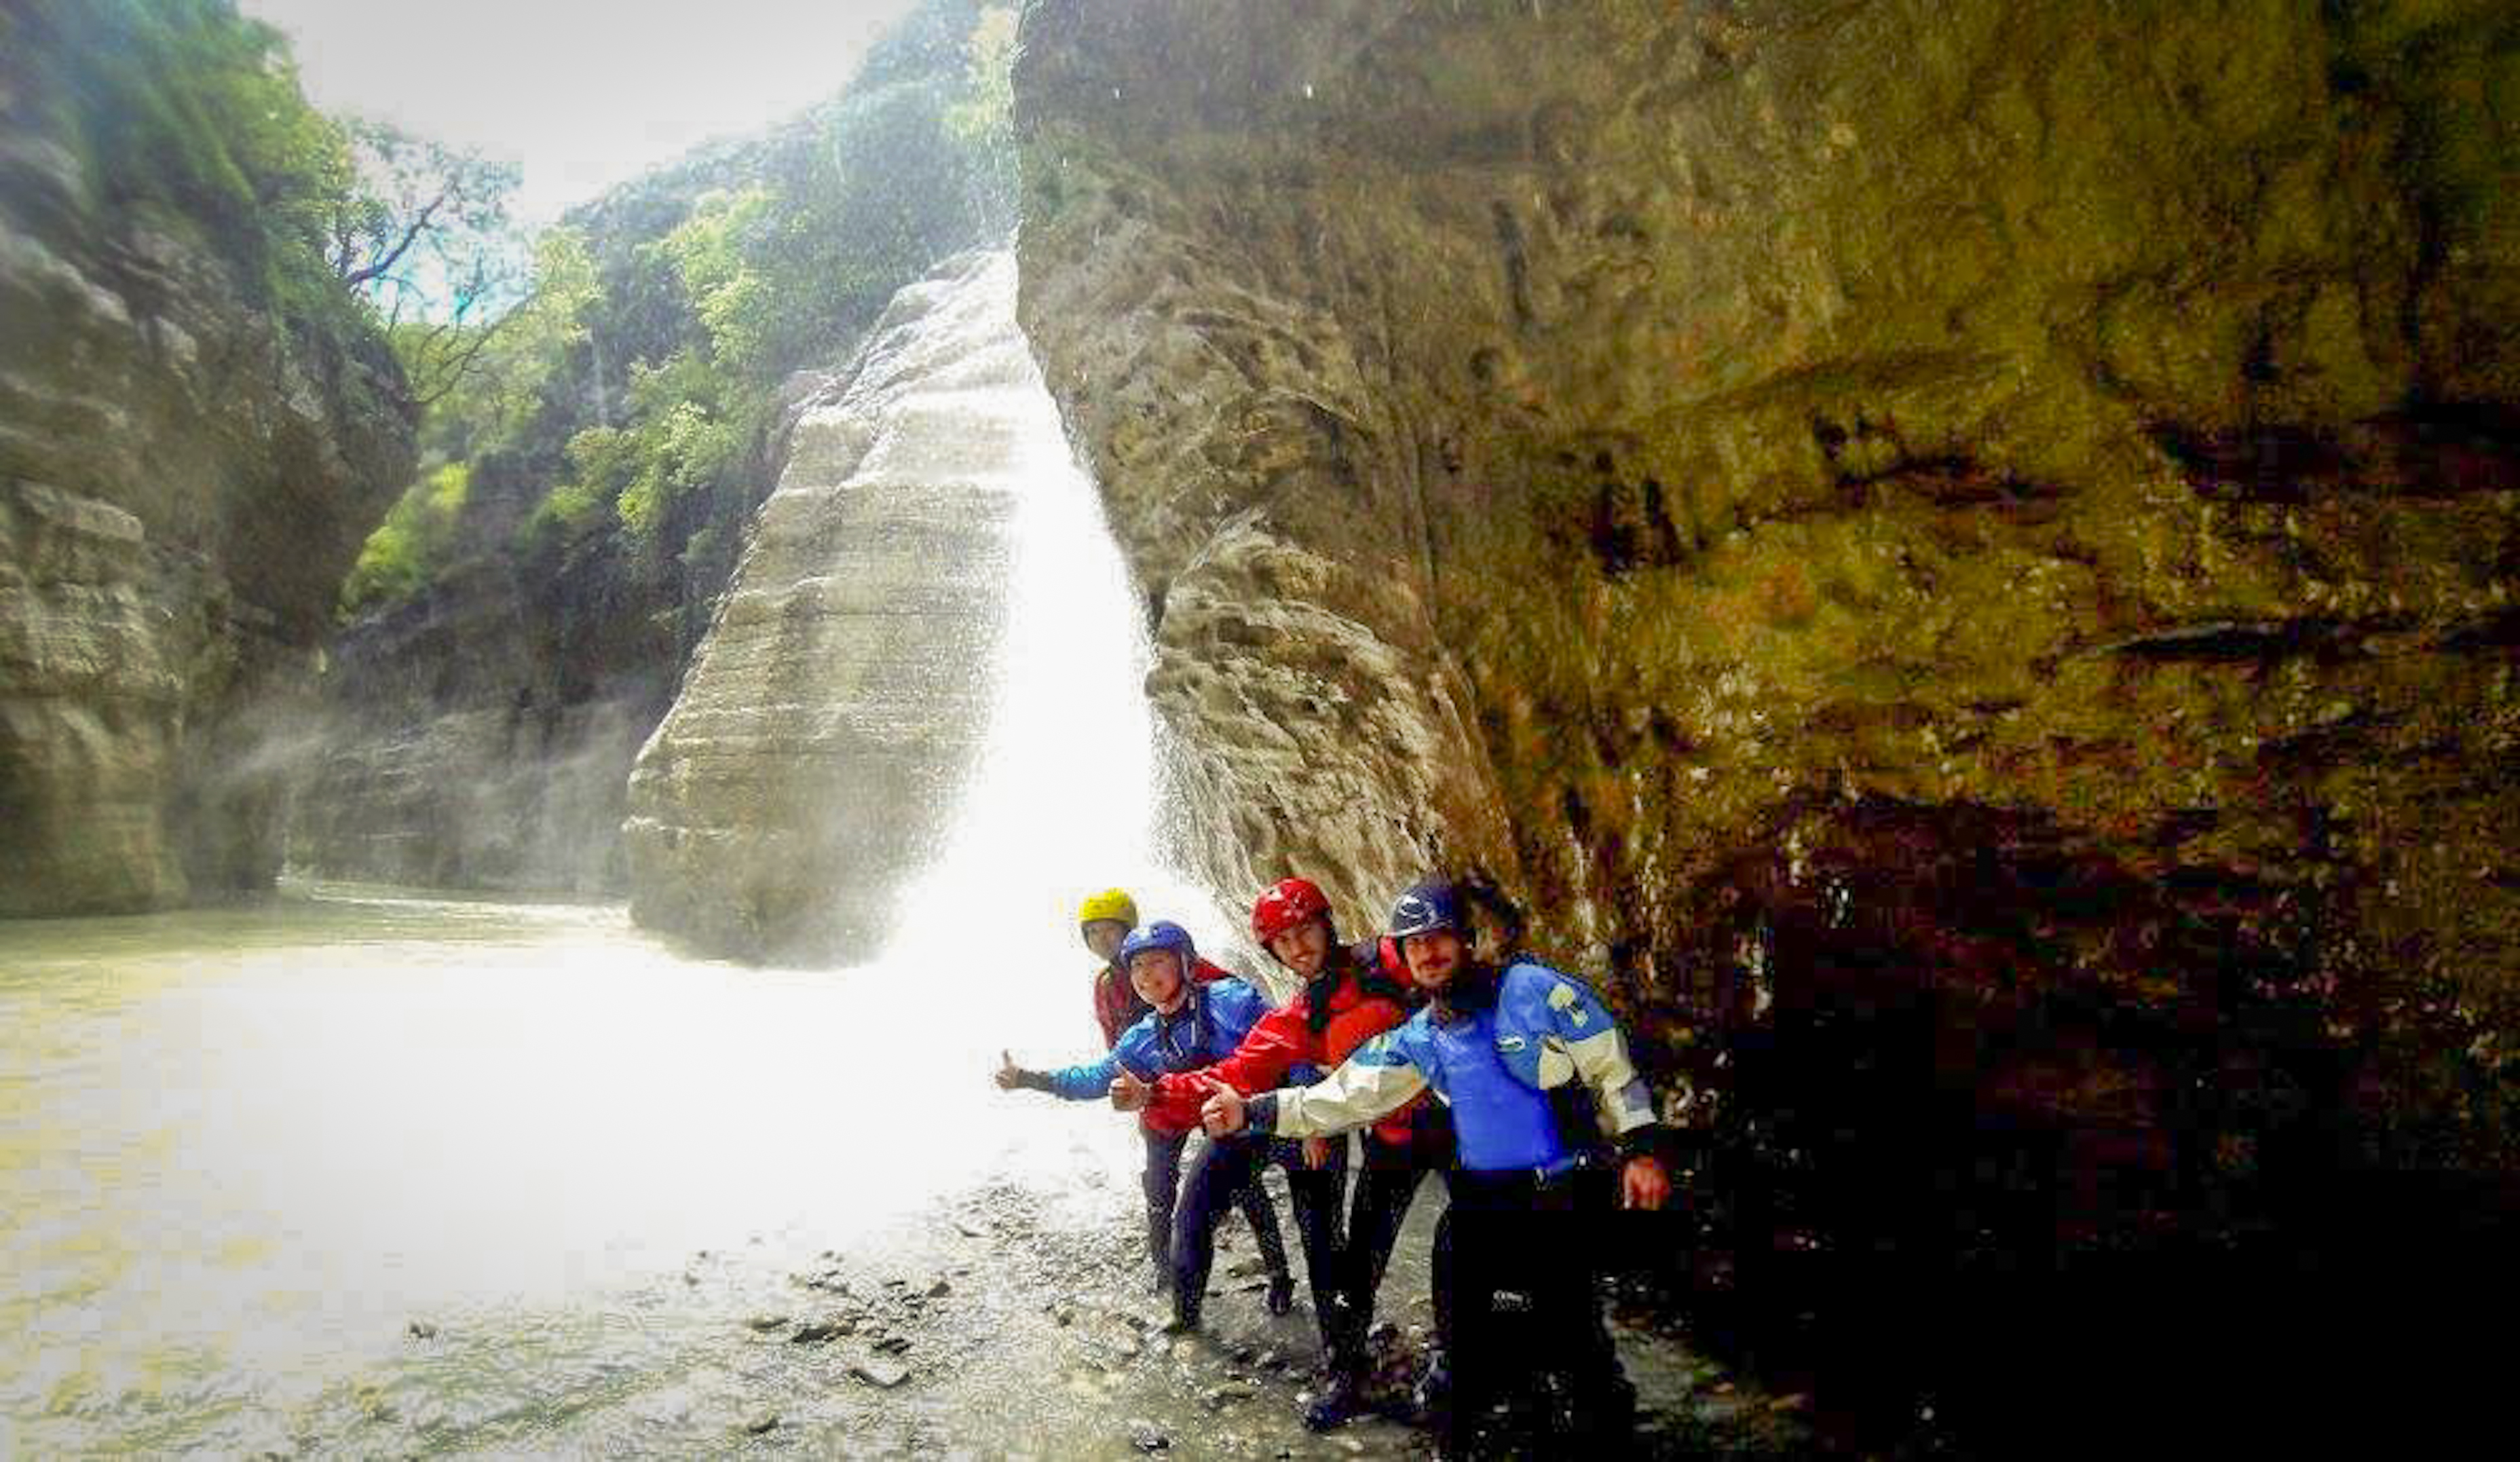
(1425, 908)
(1163, 933)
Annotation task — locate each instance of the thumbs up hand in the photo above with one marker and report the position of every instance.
(1128, 1093)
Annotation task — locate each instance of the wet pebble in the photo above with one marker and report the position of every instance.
(1146, 1437)
(883, 1375)
(939, 1290)
(762, 1424)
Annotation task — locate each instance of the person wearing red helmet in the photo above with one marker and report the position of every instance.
(1349, 994)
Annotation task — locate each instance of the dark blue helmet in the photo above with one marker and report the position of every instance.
(1163, 933)
(1425, 908)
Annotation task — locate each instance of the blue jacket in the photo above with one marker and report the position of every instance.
(1499, 1068)
(1206, 1028)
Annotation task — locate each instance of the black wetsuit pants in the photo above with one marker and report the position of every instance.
(1386, 1183)
(1227, 1173)
(1540, 1239)
(1162, 1179)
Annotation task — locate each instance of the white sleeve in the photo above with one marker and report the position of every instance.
(1600, 1056)
(1368, 1085)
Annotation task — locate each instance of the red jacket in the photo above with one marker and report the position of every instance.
(1117, 1008)
(1285, 1038)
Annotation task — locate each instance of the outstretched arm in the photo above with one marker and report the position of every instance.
(1075, 1084)
(1375, 1082)
(1275, 1045)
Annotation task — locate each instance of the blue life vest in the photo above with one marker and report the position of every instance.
(1203, 1031)
(1510, 1112)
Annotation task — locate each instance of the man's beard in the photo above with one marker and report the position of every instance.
(1472, 989)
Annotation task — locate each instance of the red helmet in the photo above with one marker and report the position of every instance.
(1287, 904)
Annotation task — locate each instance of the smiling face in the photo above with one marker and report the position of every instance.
(1104, 937)
(1156, 976)
(1434, 958)
(1304, 948)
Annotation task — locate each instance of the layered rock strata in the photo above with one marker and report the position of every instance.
(811, 759)
(1961, 557)
(481, 736)
(185, 475)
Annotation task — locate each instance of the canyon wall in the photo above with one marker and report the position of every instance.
(1958, 558)
(197, 427)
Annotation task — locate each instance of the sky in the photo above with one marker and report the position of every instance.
(583, 93)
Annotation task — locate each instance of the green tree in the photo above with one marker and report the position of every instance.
(413, 545)
(483, 378)
(428, 239)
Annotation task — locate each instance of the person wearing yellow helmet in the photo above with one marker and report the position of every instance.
(1104, 920)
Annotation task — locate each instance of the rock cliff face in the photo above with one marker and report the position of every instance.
(183, 478)
(1961, 555)
(806, 769)
(481, 736)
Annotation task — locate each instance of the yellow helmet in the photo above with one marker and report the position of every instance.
(1111, 904)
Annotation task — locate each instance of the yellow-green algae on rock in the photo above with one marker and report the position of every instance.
(1962, 553)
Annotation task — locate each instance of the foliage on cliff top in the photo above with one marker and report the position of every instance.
(644, 392)
(185, 119)
(188, 110)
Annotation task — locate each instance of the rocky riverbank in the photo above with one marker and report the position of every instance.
(999, 1323)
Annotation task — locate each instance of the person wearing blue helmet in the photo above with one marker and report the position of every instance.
(1190, 1023)
(1539, 1081)
(1104, 921)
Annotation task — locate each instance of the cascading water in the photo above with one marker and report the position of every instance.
(250, 1160)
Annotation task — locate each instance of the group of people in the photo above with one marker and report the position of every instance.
(1506, 1077)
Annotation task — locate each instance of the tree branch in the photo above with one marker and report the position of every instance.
(410, 235)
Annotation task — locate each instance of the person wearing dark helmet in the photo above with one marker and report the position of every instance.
(1104, 921)
(1348, 996)
(1536, 1073)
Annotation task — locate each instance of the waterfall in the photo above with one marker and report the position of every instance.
(930, 649)
(1063, 797)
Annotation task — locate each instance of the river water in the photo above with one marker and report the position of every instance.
(368, 1170)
